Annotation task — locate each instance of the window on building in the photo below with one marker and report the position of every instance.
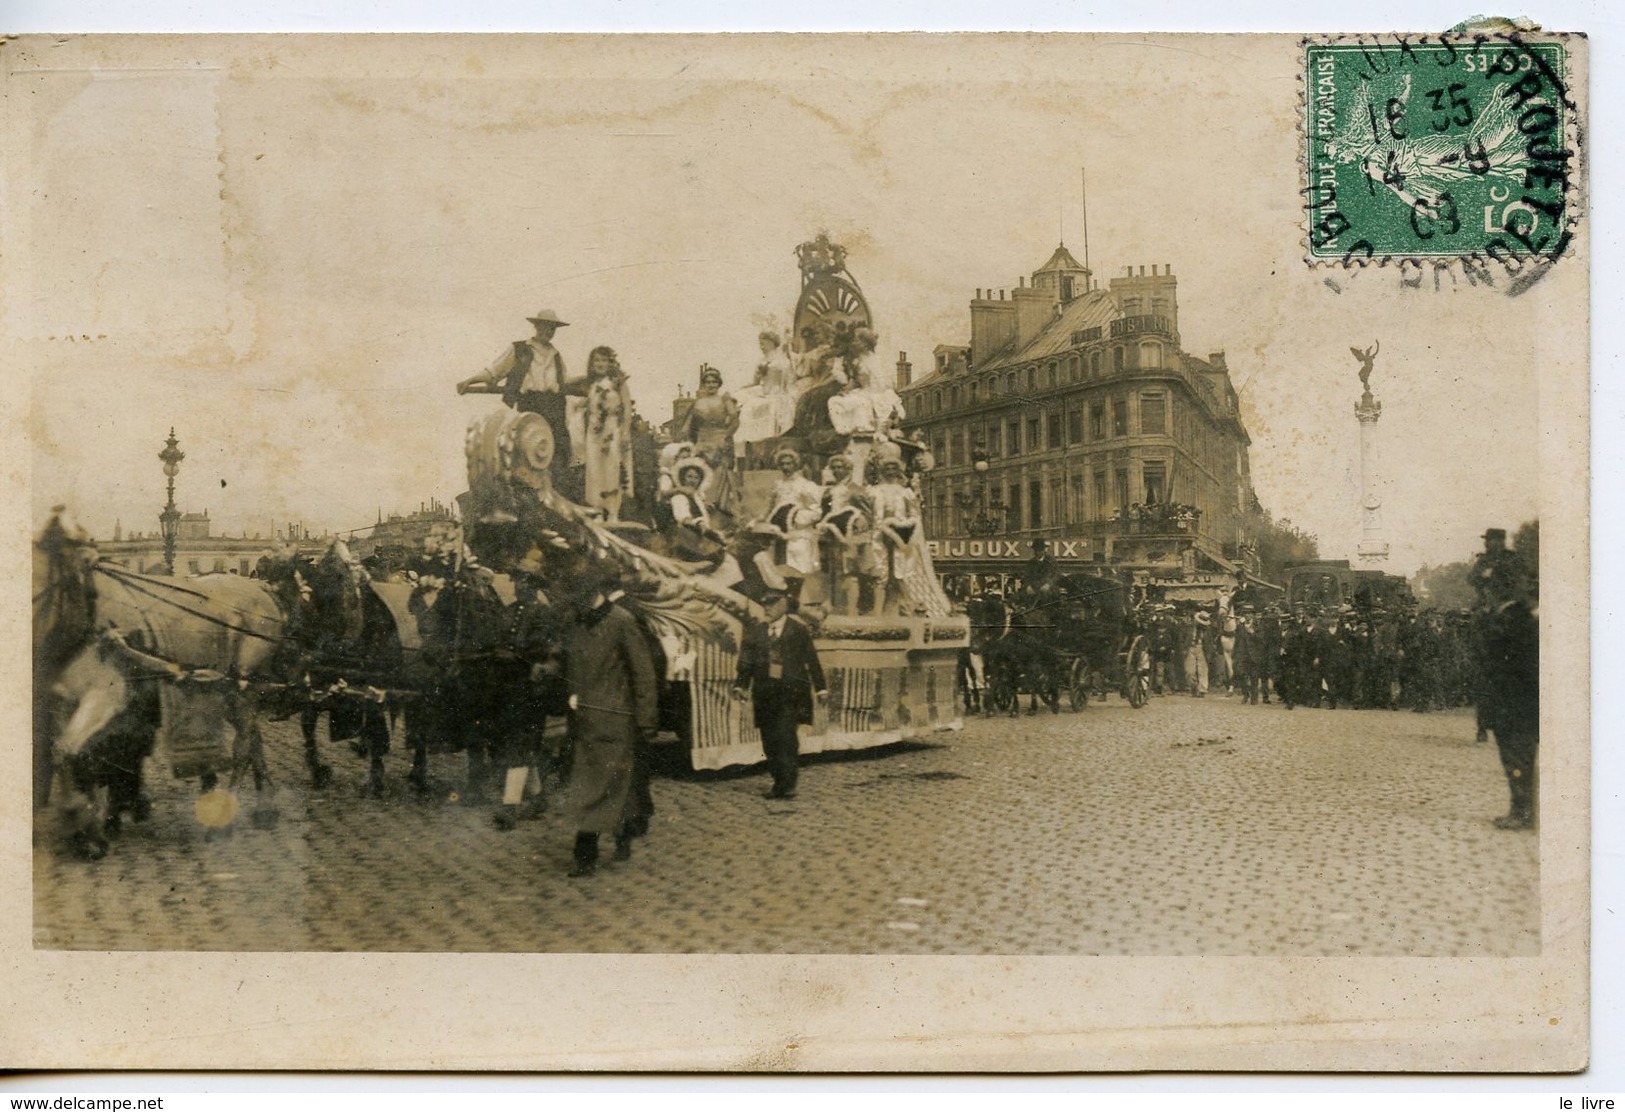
(1010, 383)
(242, 566)
(958, 448)
(1151, 356)
(1057, 502)
(936, 401)
(1035, 435)
(1120, 417)
(1131, 306)
(1035, 505)
(1032, 379)
(219, 564)
(1103, 507)
(1013, 507)
(1054, 431)
(939, 448)
(1094, 364)
(1054, 375)
(973, 393)
(1117, 358)
(1097, 421)
(958, 398)
(1074, 422)
(1075, 511)
(1153, 414)
(1156, 481)
(192, 566)
(993, 441)
(1015, 438)
(1122, 487)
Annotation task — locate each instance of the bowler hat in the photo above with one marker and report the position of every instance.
(1495, 534)
(548, 316)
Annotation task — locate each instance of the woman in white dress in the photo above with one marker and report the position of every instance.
(607, 443)
(798, 504)
(766, 406)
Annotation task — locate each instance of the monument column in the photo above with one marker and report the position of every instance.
(1372, 550)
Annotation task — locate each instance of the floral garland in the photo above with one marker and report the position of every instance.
(607, 403)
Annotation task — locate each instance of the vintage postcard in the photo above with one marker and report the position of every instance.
(798, 553)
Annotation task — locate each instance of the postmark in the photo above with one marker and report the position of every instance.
(1458, 147)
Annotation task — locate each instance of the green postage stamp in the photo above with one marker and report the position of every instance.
(1458, 146)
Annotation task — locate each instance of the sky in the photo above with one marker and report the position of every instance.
(291, 253)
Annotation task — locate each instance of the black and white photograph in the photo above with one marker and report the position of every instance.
(712, 531)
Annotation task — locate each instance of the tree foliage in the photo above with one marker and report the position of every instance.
(1281, 545)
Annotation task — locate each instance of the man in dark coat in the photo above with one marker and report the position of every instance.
(779, 670)
(1267, 642)
(1511, 685)
(1245, 657)
(614, 703)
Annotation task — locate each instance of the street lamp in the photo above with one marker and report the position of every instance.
(169, 522)
(983, 524)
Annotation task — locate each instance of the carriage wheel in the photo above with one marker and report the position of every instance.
(1077, 687)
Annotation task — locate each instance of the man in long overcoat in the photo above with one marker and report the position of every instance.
(1511, 683)
(615, 703)
(779, 669)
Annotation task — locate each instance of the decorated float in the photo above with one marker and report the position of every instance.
(806, 477)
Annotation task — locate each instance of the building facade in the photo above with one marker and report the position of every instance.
(198, 549)
(1074, 417)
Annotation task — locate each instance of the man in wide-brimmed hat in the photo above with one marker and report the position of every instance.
(530, 376)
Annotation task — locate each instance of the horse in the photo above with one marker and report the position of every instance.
(64, 615)
(154, 654)
(349, 632)
(1024, 655)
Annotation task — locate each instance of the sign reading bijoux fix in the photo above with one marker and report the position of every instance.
(1001, 549)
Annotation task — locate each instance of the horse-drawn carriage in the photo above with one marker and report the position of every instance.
(1075, 633)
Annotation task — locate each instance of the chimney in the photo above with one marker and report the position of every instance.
(992, 324)
(1035, 309)
(1216, 361)
(905, 370)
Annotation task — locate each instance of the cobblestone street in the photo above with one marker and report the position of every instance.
(1197, 827)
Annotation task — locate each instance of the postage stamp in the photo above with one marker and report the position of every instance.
(1454, 146)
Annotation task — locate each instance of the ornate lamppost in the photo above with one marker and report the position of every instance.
(169, 522)
(984, 523)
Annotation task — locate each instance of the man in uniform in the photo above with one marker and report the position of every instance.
(780, 672)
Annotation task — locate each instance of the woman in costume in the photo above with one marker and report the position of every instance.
(607, 449)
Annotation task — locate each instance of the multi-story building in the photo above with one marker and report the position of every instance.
(1075, 417)
(198, 549)
(396, 539)
(392, 541)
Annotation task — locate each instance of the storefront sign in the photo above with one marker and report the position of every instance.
(999, 549)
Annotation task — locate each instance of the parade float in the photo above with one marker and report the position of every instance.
(815, 492)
